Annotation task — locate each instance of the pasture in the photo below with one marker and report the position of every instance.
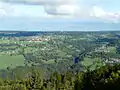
(11, 61)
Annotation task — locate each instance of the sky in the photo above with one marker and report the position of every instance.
(59, 15)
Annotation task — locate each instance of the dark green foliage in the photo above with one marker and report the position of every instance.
(13, 87)
(105, 78)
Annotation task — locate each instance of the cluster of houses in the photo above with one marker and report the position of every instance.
(112, 61)
(37, 39)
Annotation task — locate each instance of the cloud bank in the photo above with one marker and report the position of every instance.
(67, 8)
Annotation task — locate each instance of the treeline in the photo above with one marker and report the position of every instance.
(105, 78)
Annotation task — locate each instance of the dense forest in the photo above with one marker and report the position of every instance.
(104, 78)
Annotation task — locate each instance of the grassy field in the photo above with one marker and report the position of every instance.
(11, 61)
(112, 49)
(89, 61)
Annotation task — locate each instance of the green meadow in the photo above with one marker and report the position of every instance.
(90, 61)
(11, 61)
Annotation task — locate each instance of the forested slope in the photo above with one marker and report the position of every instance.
(104, 78)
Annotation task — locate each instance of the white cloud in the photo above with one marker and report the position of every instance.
(61, 9)
(66, 9)
(98, 12)
(113, 16)
(20, 10)
(39, 2)
(102, 14)
(3, 10)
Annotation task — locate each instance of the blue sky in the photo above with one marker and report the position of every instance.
(59, 14)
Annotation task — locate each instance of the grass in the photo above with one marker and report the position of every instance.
(11, 61)
(89, 61)
(112, 49)
(48, 62)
